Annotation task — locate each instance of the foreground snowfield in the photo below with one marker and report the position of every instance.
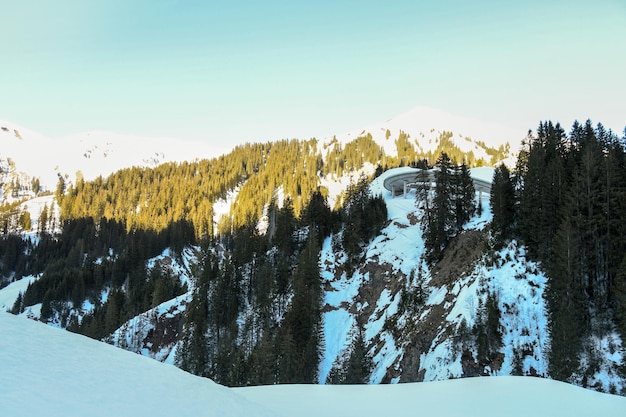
(47, 371)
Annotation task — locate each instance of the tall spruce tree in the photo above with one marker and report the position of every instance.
(441, 221)
(303, 320)
(359, 364)
(502, 200)
(565, 303)
(465, 196)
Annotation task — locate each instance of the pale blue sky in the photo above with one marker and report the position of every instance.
(235, 71)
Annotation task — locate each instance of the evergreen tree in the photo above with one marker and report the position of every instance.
(564, 295)
(488, 330)
(43, 220)
(318, 215)
(441, 224)
(193, 354)
(303, 319)
(502, 200)
(465, 196)
(359, 364)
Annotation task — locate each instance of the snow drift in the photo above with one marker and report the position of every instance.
(47, 371)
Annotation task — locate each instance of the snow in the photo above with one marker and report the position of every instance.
(424, 125)
(336, 186)
(221, 207)
(9, 294)
(437, 296)
(35, 207)
(337, 326)
(93, 153)
(132, 334)
(519, 287)
(485, 397)
(604, 353)
(46, 371)
(384, 359)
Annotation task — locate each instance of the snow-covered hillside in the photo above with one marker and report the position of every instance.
(430, 338)
(46, 371)
(425, 124)
(155, 333)
(91, 153)
(419, 322)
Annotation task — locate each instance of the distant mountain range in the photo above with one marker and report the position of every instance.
(101, 153)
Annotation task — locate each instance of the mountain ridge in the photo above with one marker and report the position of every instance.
(100, 153)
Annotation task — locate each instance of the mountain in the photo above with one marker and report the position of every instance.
(425, 124)
(341, 262)
(419, 321)
(47, 371)
(99, 153)
(428, 130)
(93, 154)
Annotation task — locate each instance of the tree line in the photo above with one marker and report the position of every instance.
(566, 201)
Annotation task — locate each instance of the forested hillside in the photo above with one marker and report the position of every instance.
(567, 204)
(145, 260)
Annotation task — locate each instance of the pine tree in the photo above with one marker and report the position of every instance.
(303, 319)
(441, 221)
(318, 216)
(193, 354)
(488, 330)
(359, 365)
(502, 200)
(465, 196)
(620, 298)
(565, 297)
(43, 220)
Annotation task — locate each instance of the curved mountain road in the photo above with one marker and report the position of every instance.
(407, 178)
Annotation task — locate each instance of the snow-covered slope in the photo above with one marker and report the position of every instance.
(430, 338)
(47, 371)
(91, 153)
(155, 333)
(484, 397)
(425, 124)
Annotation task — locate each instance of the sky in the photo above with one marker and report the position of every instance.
(247, 71)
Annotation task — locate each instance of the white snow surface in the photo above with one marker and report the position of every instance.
(92, 153)
(424, 124)
(47, 371)
(9, 294)
(485, 397)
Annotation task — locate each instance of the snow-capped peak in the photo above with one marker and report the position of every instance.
(425, 124)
